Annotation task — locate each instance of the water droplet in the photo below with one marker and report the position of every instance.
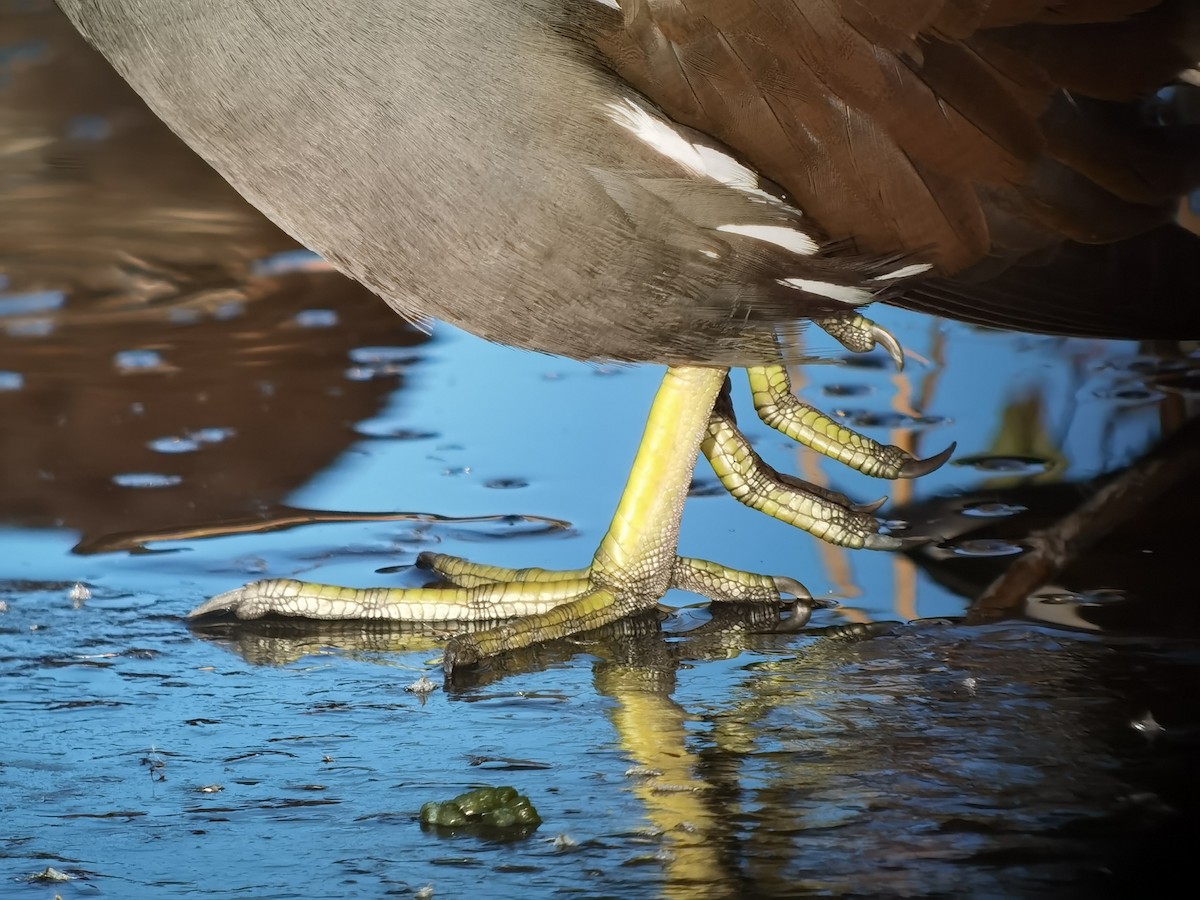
(505, 484)
(189, 441)
(174, 444)
(374, 356)
(992, 509)
(79, 593)
(316, 318)
(985, 548)
(846, 390)
(139, 361)
(1007, 465)
(146, 480)
(212, 435)
(11, 381)
(457, 471)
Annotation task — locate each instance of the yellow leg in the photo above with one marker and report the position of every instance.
(633, 567)
(636, 562)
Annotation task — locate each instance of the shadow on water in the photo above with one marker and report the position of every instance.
(186, 402)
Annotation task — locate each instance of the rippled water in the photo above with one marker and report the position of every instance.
(187, 402)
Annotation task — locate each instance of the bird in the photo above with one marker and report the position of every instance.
(688, 182)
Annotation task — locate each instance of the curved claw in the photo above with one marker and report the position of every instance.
(915, 468)
(891, 542)
(802, 610)
(868, 508)
(233, 602)
(794, 589)
(882, 542)
(884, 337)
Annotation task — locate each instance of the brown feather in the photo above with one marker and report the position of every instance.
(917, 127)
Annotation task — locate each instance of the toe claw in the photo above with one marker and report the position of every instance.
(869, 508)
(915, 468)
(882, 542)
(884, 337)
(793, 589)
(228, 602)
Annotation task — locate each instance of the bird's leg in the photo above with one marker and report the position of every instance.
(778, 407)
(633, 567)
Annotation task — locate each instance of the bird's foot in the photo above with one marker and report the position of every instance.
(636, 562)
(529, 606)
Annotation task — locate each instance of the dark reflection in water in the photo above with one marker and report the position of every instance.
(164, 343)
(173, 377)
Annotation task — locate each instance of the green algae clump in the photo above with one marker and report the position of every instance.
(486, 808)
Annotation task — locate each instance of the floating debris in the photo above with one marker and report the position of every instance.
(51, 874)
(564, 843)
(422, 687)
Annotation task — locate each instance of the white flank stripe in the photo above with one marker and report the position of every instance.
(724, 168)
(841, 293)
(779, 235)
(658, 134)
(706, 162)
(914, 269)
